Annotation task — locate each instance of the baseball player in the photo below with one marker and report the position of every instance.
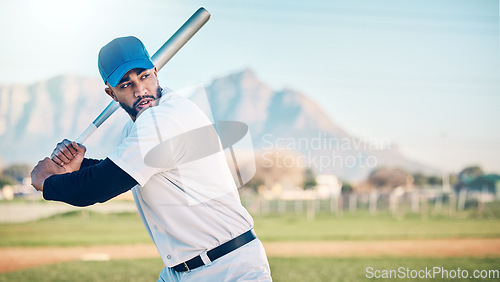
(189, 205)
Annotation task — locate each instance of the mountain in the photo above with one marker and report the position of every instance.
(289, 120)
(33, 118)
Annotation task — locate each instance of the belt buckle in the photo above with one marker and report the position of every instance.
(186, 266)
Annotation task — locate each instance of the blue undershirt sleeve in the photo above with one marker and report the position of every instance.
(92, 184)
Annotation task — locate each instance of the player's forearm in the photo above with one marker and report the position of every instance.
(90, 185)
(89, 162)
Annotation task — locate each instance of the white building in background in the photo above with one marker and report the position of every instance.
(7, 193)
(328, 186)
(23, 189)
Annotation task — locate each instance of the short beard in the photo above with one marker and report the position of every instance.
(132, 111)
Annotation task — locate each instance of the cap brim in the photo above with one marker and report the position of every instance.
(117, 74)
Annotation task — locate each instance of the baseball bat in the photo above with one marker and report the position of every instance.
(160, 58)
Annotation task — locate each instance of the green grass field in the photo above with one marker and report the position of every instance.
(282, 269)
(85, 229)
(76, 229)
(364, 226)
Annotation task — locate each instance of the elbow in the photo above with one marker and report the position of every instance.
(81, 204)
(79, 201)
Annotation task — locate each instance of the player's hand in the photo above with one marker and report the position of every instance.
(43, 170)
(69, 155)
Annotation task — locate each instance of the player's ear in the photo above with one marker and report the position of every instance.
(155, 72)
(110, 92)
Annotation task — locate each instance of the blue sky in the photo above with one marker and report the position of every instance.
(423, 74)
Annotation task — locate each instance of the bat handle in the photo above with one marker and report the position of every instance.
(86, 133)
(108, 111)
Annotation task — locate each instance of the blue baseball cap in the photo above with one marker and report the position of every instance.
(121, 55)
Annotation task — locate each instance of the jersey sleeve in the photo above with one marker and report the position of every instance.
(89, 162)
(87, 186)
(147, 149)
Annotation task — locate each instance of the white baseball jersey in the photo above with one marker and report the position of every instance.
(186, 194)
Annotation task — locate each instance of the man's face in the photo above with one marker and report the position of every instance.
(137, 90)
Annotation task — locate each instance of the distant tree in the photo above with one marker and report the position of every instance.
(309, 179)
(453, 179)
(388, 178)
(466, 176)
(346, 188)
(488, 182)
(6, 180)
(435, 180)
(277, 167)
(18, 171)
(469, 173)
(255, 183)
(419, 179)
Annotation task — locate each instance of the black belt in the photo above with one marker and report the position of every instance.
(217, 252)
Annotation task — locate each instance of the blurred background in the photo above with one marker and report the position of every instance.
(370, 121)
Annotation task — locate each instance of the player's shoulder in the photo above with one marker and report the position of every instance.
(173, 98)
(175, 105)
(176, 110)
(127, 128)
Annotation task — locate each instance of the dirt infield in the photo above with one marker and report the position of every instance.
(398, 248)
(16, 258)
